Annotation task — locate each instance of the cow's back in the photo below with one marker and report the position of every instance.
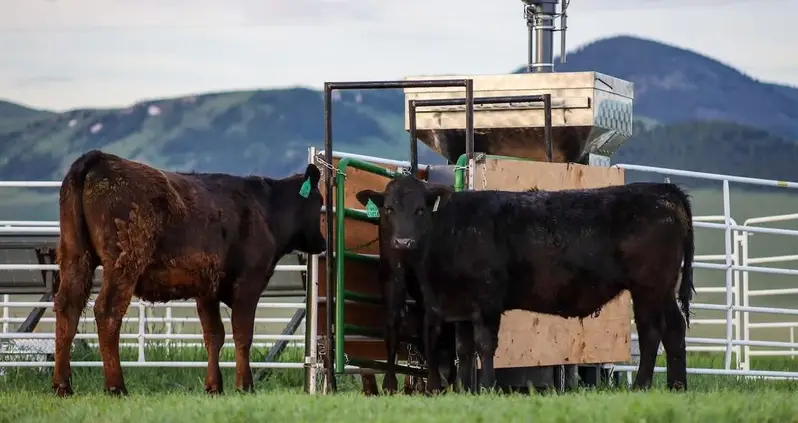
(536, 249)
(181, 230)
(116, 188)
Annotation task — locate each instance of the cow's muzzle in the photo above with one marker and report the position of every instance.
(404, 243)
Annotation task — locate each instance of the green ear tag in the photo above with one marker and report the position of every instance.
(304, 191)
(372, 210)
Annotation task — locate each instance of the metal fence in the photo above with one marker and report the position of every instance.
(738, 344)
(737, 265)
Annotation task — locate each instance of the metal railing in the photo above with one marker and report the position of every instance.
(748, 293)
(737, 268)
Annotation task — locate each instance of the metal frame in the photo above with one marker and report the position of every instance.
(329, 87)
(334, 271)
(413, 105)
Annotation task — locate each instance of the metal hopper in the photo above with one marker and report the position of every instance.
(591, 113)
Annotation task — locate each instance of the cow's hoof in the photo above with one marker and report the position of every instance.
(116, 391)
(678, 387)
(213, 390)
(387, 388)
(62, 390)
(248, 389)
(389, 384)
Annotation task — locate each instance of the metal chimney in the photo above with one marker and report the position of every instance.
(540, 16)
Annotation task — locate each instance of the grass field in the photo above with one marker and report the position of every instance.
(171, 394)
(719, 406)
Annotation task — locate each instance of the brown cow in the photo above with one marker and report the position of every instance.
(166, 236)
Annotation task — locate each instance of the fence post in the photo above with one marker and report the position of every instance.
(142, 329)
(729, 273)
(6, 314)
(746, 303)
(737, 292)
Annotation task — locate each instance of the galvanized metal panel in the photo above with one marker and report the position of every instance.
(591, 113)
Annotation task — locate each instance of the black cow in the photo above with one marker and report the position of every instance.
(565, 253)
(397, 281)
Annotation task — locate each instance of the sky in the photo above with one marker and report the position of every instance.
(64, 54)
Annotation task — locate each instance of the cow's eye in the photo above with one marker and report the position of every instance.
(419, 211)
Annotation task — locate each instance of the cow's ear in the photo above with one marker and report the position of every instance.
(438, 195)
(313, 174)
(375, 197)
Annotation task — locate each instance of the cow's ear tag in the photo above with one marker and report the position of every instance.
(304, 191)
(437, 203)
(372, 210)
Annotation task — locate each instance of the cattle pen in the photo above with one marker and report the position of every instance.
(320, 322)
(28, 324)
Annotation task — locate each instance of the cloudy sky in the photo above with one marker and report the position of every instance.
(61, 54)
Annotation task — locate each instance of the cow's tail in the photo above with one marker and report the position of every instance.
(686, 288)
(71, 198)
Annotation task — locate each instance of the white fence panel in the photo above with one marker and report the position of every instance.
(738, 266)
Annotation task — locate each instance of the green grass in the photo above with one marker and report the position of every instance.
(720, 406)
(171, 394)
(161, 380)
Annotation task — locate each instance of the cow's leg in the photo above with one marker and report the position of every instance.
(74, 288)
(213, 335)
(447, 368)
(243, 322)
(408, 385)
(451, 375)
(486, 337)
(393, 323)
(389, 382)
(675, 347)
(649, 332)
(432, 329)
(369, 382)
(464, 341)
(109, 309)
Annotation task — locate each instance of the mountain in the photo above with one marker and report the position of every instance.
(260, 132)
(676, 85)
(13, 115)
(692, 113)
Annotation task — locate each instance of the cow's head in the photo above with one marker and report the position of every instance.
(307, 230)
(406, 208)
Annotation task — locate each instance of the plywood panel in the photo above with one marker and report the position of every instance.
(359, 276)
(534, 339)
